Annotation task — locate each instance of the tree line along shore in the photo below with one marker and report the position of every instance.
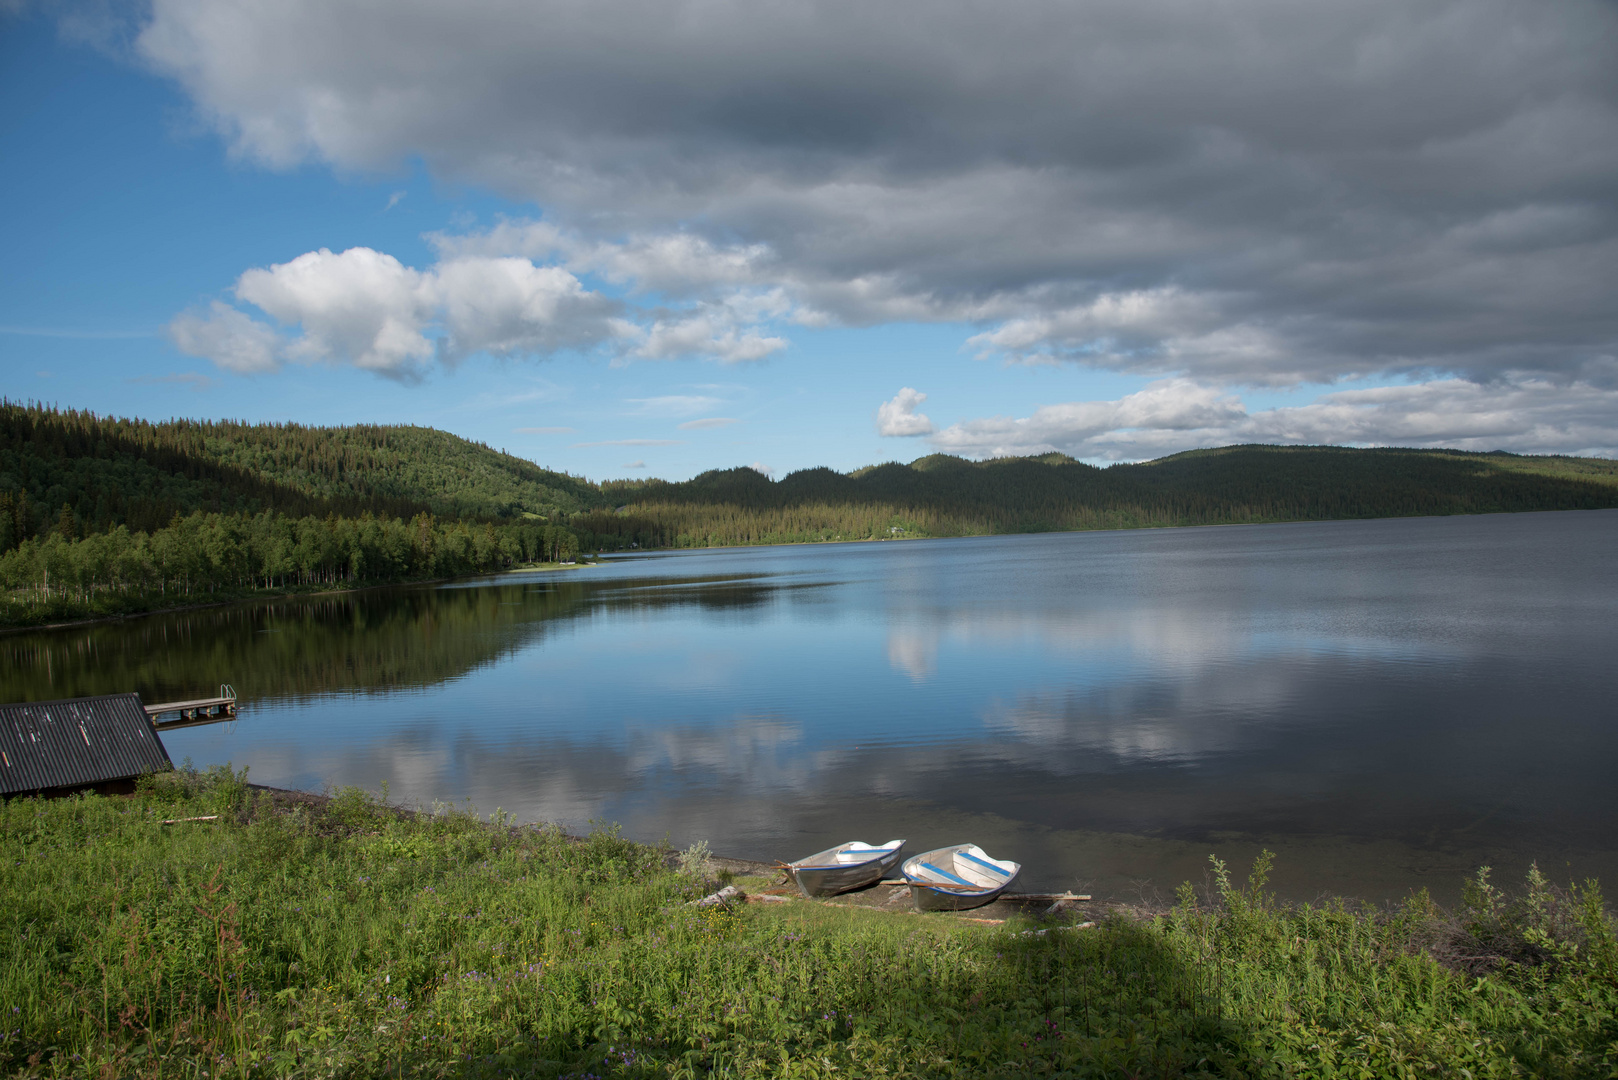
(205, 928)
(108, 516)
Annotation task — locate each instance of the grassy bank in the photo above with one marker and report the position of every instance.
(314, 938)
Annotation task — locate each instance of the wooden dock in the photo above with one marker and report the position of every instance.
(178, 714)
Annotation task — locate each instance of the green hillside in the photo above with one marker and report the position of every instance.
(103, 515)
(948, 496)
(113, 471)
(447, 474)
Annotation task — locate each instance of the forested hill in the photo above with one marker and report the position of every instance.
(112, 471)
(944, 496)
(104, 515)
(449, 475)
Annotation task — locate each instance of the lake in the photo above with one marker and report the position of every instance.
(1385, 704)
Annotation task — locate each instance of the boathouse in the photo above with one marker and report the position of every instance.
(77, 744)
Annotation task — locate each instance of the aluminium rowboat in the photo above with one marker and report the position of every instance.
(844, 867)
(957, 878)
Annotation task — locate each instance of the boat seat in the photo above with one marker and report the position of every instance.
(1002, 871)
(956, 878)
(858, 855)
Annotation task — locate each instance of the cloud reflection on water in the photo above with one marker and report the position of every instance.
(1401, 682)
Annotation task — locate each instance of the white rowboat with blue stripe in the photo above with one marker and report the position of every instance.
(957, 878)
(844, 867)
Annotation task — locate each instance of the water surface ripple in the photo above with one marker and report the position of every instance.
(1386, 704)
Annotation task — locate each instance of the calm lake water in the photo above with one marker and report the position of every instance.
(1386, 704)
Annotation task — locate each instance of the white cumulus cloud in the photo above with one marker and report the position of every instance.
(366, 308)
(510, 307)
(712, 332)
(360, 306)
(234, 341)
(899, 416)
(1523, 415)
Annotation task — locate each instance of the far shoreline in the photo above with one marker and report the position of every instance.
(281, 595)
(601, 558)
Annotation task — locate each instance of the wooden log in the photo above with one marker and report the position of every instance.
(1042, 933)
(1047, 897)
(728, 895)
(1023, 897)
(920, 883)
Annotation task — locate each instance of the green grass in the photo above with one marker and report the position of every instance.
(344, 939)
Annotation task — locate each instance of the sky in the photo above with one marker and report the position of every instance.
(653, 237)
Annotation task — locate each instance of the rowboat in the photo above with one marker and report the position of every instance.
(844, 867)
(957, 878)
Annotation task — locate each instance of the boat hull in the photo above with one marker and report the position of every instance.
(931, 897)
(819, 875)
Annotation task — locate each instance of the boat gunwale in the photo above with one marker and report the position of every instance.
(886, 851)
(844, 876)
(959, 897)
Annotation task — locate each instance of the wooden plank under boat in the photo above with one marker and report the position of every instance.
(847, 866)
(957, 878)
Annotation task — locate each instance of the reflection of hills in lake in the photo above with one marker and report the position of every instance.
(1385, 704)
(376, 640)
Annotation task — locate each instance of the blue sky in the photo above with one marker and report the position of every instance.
(619, 249)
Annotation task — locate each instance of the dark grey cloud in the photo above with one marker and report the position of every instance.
(1254, 192)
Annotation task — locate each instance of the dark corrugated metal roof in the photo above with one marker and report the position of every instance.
(54, 744)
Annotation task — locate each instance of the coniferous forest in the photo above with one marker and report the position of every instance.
(105, 515)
